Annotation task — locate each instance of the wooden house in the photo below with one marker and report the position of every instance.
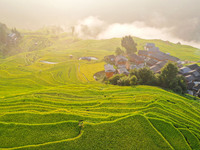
(193, 66)
(109, 70)
(158, 66)
(149, 46)
(120, 60)
(143, 53)
(150, 62)
(133, 58)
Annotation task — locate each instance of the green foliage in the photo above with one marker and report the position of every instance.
(170, 79)
(18, 34)
(3, 33)
(128, 43)
(114, 79)
(168, 75)
(123, 81)
(133, 80)
(146, 77)
(119, 51)
(133, 72)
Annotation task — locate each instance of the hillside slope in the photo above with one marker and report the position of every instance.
(58, 105)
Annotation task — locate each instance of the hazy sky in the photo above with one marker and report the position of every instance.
(179, 18)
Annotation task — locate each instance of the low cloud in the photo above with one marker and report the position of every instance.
(90, 27)
(95, 28)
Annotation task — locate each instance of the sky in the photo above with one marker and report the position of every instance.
(173, 20)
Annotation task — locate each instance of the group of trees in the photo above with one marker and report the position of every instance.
(168, 78)
(3, 33)
(129, 44)
(8, 42)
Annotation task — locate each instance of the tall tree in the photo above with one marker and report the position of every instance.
(128, 43)
(3, 33)
(168, 74)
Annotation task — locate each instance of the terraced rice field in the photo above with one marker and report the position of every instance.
(60, 106)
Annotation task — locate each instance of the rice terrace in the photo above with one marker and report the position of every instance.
(55, 93)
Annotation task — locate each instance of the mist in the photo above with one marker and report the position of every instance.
(173, 20)
(95, 28)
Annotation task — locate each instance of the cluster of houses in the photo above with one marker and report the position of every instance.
(151, 57)
(192, 76)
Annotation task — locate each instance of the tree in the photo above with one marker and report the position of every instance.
(14, 30)
(3, 33)
(168, 74)
(73, 30)
(133, 80)
(119, 51)
(128, 43)
(170, 79)
(133, 72)
(114, 79)
(146, 76)
(123, 81)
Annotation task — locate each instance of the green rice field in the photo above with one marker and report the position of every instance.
(61, 107)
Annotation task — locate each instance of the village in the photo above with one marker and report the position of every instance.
(153, 58)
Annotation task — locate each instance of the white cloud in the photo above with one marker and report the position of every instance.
(94, 28)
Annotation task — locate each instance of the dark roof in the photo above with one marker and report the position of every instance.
(153, 49)
(194, 73)
(135, 58)
(158, 66)
(150, 45)
(143, 52)
(158, 56)
(198, 69)
(121, 58)
(189, 78)
(193, 66)
(163, 56)
(171, 58)
(197, 87)
(109, 68)
(185, 70)
(155, 68)
(151, 62)
(190, 86)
